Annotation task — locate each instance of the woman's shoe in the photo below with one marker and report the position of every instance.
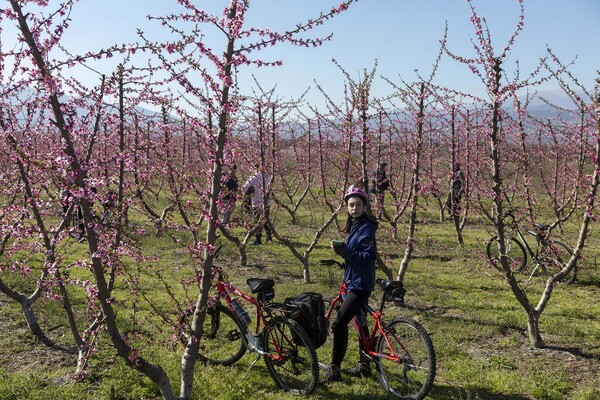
(360, 370)
(333, 374)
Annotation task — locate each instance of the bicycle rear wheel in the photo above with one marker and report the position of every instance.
(407, 368)
(515, 253)
(223, 338)
(555, 257)
(291, 359)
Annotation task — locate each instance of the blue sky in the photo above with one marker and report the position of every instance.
(402, 35)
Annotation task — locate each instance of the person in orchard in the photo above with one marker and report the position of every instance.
(259, 187)
(230, 190)
(379, 184)
(457, 190)
(359, 251)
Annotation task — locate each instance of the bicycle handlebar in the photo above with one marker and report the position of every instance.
(329, 262)
(217, 252)
(383, 283)
(509, 213)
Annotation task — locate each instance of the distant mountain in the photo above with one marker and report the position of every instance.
(549, 104)
(26, 94)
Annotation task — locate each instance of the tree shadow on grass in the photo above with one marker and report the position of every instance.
(440, 392)
(252, 267)
(435, 257)
(574, 351)
(587, 280)
(502, 327)
(331, 393)
(42, 337)
(439, 313)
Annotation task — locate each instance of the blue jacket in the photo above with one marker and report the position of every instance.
(360, 253)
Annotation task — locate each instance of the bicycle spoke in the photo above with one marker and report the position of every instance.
(222, 342)
(409, 370)
(291, 359)
(515, 254)
(556, 256)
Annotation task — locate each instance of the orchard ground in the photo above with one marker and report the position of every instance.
(478, 329)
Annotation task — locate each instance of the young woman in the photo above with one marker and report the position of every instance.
(359, 251)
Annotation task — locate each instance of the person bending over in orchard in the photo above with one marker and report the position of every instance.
(359, 251)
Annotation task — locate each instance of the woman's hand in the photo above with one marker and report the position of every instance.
(338, 246)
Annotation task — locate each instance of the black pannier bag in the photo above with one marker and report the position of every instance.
(308, 309)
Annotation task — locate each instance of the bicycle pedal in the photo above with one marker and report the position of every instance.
(234, 336)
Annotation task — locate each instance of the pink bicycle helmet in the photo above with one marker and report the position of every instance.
(358, 192)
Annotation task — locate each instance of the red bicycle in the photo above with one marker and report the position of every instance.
(286, 348)
(401, 349)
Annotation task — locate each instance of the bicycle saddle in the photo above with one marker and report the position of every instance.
(388, 285)
(258, 285)
(541, 227)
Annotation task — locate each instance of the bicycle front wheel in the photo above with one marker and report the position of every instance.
(223, 338)
(407, 363)
(291, 358)
(556, 256)
(515, 254)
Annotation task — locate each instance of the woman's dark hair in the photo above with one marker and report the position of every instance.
(346, 228)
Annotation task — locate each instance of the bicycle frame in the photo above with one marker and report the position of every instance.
(401, 348)
(542, 239)
(526, 245)
(225, 290)
(378, 326)
(286, 348)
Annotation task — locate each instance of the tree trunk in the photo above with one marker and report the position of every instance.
(383, 267)
(243, 255)
(305, 270)
(30, 318)
(410, 239)
(188, 360)
(456, 219)
(155, 373)
(533, 330)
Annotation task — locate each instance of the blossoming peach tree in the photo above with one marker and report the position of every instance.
(72, 159)
(489, 66)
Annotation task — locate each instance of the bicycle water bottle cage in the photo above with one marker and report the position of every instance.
(262, 288)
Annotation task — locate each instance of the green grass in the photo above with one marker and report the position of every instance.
(478, 328)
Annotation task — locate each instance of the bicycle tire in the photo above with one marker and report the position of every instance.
(555, 259)
(324, 352)
(412, 376)
(517, 257)
(223, 341)
(295, 367)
